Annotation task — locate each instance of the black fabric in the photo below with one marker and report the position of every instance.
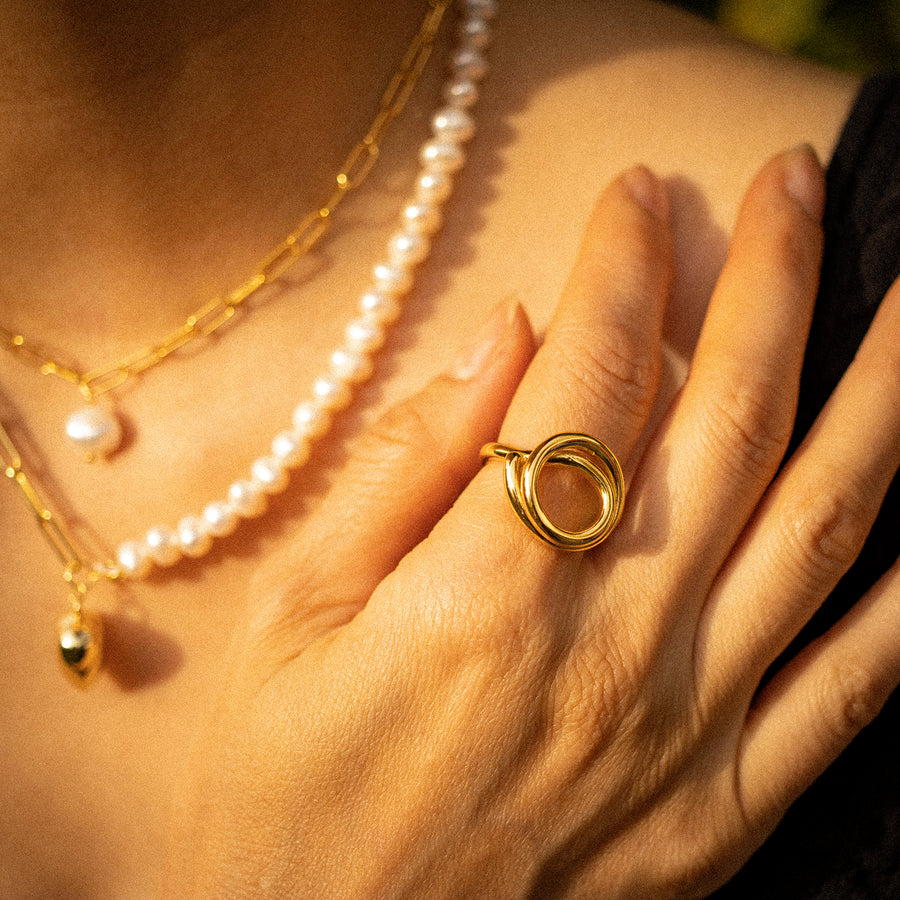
(841, 840)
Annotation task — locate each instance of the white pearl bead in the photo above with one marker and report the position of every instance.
(220, 518)
(379, 308)
(133, 560)
(247, 499)
(364, 335)
(408, 248)
(392, 278)
(485, 9)
(194, 536)
(162, 546)
(290, 448)
(424, 218)
(452, 124)
(350, 365)
(332, 393)
(475, 32)
(312, 420)
(433, 187)
(95, 430)
(269, 474)
(461, 92)
(468, 63)
(443, 156)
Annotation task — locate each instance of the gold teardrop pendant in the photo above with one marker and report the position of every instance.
(81, 646)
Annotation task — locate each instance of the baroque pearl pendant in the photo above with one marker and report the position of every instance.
(81, 646)
(95, 430)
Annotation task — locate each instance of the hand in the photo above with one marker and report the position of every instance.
(428, 701)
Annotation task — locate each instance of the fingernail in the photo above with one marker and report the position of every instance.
(476, 357)
(803, 179)
(648, 191)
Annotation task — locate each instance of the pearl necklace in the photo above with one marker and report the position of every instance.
(350, 365)
(95, 429)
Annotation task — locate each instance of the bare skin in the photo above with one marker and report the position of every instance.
(117, 219)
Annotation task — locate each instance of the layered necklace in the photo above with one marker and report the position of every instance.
(96, 428)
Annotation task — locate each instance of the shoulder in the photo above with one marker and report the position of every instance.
(606, 84)
(580, 90)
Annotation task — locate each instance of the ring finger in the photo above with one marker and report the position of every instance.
(409, 468)
(598, 370)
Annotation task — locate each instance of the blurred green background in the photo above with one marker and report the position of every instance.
(857, 35)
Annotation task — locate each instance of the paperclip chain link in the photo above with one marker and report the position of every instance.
(220, 311)
(78, 573)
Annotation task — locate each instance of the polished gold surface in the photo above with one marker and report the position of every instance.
(81, 646)
(580, 451)
(80, 634)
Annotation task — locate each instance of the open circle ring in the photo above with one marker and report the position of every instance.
(580, 451)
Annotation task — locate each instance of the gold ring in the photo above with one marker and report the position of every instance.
(593, 457)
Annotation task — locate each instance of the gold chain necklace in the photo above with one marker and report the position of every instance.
(95, 429)
(80, 634)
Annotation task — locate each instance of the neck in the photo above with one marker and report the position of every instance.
(141, 138)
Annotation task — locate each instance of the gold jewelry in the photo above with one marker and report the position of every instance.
(593, 457)
(80, 634)
(441, 156)
(96, 429)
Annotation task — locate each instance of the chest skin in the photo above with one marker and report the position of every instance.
(573, 98)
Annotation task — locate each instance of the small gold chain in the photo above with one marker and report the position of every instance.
(80, 632)
(221, 310)
(78, 573)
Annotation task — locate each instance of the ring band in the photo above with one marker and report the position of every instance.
(580, 451)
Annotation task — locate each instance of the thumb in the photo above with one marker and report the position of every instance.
(404, 473)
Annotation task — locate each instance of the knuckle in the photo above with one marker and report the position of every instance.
(704, 836)
(745, 426)
(849, 698)
(485, 619)
(694, 872)
(828, 528)
(602, 690)
(618, 372)
(402, 431)
(596, 691)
